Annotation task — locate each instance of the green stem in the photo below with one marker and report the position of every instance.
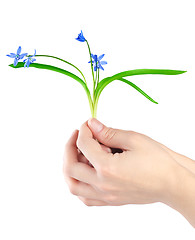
(65, 62)
(94, 86)
(93, 113)
(98, 77)
(90, 60)
(87, 91)
(95, 108)
(96, 73)
(91, 104)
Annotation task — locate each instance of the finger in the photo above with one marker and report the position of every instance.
(114, 138)
(73, 168)
(83, 159)
(84, 173)
(106, 149)
(82, 189)
(70, 153)
(90, 147)
(92, 202)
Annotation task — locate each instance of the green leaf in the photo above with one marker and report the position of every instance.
(138, 89)
(52, 68)
(104, 82)
(119, 76)
(59, 70)
(147, 71)
(55, 69)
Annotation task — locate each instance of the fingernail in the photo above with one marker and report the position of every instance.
(95, 124)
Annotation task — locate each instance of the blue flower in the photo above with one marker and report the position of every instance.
(29, 60)
(97, 61)
(17, 56)
(80, 37)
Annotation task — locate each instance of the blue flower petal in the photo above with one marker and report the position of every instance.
(34, 53)
(25, 65)
(95, 58)
(80, 37)
(23, 55)
(100, 57)
(25, 60)
(95, 68)
(15, 61)
(19, 50)
(11, 55)
(33, 60)
(103, 62)
(101, 67)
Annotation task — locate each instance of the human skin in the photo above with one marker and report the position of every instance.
(144, 172)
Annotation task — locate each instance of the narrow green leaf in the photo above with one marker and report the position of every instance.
(119, 76)
(147, 71)
(52, 68)
(136, 72)
(65, 62)
(59, 70)
(138, 89)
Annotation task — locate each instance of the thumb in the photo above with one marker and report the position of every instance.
(114, 138)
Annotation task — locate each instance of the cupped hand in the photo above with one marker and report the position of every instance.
(143, 172)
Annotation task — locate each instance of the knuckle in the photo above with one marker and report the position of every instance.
(72, 188)
(104, 187)
(109, 134)
(108, 169)
(110, 198)
(134, 137)
(103, 170)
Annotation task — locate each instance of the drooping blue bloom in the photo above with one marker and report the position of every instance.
(80, 37)
(17, 56)
(29, 60)
(97, 61)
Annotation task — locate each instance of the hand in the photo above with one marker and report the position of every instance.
(142, 173)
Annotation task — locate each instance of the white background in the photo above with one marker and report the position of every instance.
(39, 110)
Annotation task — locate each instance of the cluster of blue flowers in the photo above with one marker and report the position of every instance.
(97, 63)
(17, 56)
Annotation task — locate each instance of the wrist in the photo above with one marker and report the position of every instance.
(180, 193)
(186, 162)
(174, 185)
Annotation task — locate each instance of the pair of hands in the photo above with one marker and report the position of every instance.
(145, 171)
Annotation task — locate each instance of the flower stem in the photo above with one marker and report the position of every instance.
(95, 108)
(65, 62)
(98, 77)
(93, 113)
(90, 60)
(91, 104)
